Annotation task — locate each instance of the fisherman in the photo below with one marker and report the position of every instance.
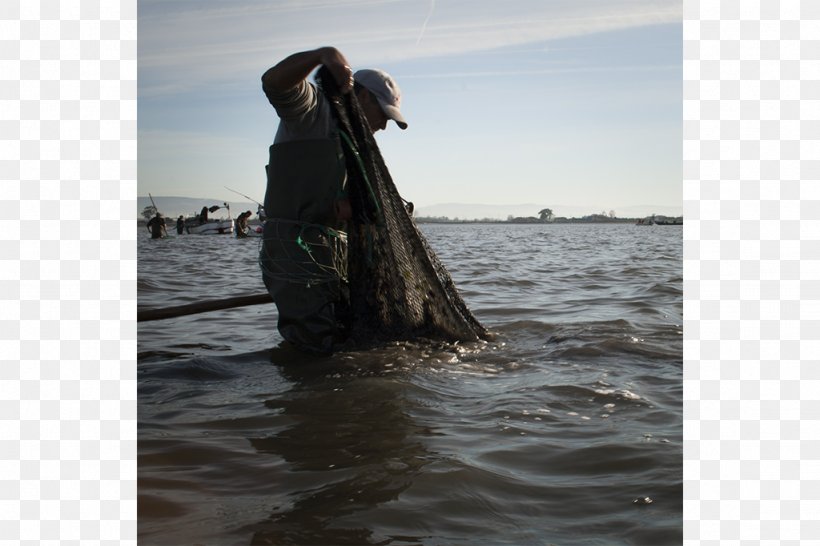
(242, 224)
(306, 180)
(180, 225)
(156, 226)
(203, 215)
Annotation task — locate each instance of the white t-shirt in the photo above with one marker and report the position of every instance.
(304, 113)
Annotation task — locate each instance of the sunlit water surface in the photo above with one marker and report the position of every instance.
(546, 435)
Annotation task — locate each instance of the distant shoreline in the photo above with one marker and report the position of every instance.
(523, 221)
(426, 220)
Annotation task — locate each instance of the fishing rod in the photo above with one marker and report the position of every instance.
(245, 196)
(407, 203)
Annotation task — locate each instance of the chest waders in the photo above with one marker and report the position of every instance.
(303, 250)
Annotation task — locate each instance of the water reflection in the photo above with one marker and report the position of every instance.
(351, 447)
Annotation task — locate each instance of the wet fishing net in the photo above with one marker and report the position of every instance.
(398, 288)
(302, 253)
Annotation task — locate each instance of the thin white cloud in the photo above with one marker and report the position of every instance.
(188, 44)
(427, 20)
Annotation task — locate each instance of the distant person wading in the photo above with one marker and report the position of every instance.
(241, 224)
(156, 226)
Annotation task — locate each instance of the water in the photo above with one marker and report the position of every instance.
(545, 435)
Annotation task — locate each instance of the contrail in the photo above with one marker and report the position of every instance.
(424, 26)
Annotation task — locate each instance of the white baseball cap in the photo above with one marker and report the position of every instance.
(386, 91)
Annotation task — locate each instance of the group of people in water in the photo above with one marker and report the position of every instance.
(157, 226)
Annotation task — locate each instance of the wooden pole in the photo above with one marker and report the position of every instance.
(202, 307)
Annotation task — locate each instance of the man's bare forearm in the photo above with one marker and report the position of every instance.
(297, 67)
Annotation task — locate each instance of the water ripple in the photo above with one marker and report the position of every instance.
(544, 435)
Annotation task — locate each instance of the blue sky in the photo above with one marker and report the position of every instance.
(572, 104)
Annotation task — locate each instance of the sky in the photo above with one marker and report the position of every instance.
(568, 104)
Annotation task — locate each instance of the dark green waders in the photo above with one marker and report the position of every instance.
(300, 260)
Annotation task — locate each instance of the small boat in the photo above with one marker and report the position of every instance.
(200, 224)
(211, 227)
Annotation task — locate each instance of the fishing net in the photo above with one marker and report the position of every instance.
(398, 288)
(307, 254)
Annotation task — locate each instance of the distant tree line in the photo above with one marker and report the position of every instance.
(545, 216)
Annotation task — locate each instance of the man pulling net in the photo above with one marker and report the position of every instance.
(341, 257)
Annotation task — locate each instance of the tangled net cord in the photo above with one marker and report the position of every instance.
(316, 255)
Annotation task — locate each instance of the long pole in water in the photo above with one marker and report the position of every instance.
(245, 196)
(202, 307)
